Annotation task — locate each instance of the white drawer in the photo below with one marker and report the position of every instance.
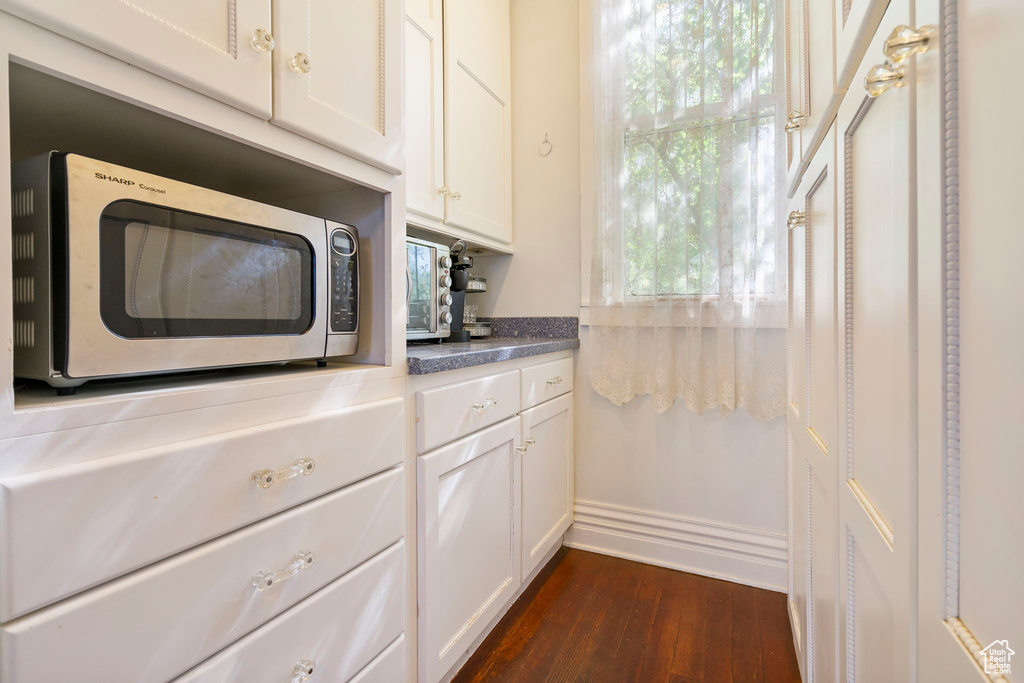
(337, 631)
(155, 623)
(69, 528)
(387, 667)
(546, 381)
(447, 413)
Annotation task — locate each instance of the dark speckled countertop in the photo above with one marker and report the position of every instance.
(521, 338)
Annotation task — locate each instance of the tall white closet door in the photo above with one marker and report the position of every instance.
(206, 45)
(972, 478)
(812, 430)
(424, 108)
(478, 125)
(337, 76)
(878, 444)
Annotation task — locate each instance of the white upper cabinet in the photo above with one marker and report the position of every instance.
(326, 70)
(216, 47)
(424, 109)
(458, 119)
(478, 117)
(336, 76)
(795, 71)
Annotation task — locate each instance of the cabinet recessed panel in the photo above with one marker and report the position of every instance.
(474, 536)
(424, 143)
(821, 302)
(798, 326)
(477, 126)
(880, 323)
(822, 619)
(872, 621)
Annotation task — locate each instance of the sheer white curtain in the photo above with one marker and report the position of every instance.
(688, 282)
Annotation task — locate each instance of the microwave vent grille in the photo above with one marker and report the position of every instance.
(24, 290)
(24, 246)
(23, 203)
(24, 334)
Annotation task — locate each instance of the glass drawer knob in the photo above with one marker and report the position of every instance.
(303, 671)
(261, 41)
(300, 63)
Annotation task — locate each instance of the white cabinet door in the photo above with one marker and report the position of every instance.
(424, 108)
(812, 430)
(337, 76)
(972, 479)
(795, 86)
(478, 117)
(548, 476)
(878, 452)
(202, 44)
(468, 533)
(855, 22)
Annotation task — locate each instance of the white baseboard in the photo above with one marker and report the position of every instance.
(754, 557)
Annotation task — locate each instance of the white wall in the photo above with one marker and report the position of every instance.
(542, 279)
(704, 493)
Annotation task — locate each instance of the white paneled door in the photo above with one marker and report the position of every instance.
(217, 47)
(424, 108)
(478, 127)
(812, 414)
(878, 444)
(468, 541)
(547, 478)
(337, 76)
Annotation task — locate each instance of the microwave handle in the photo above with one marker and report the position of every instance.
(408, 288)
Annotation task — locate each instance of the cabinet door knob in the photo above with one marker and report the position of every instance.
(303, 671)
(267, 478)
(881, 77)
(796, 219)
(795, 121)
(263, 581)
(905, 42)
(526, 445)
(300, 63)
(261, 41)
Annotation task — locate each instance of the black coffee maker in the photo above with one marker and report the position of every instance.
(460, 280)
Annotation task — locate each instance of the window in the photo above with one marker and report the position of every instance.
(698, 132)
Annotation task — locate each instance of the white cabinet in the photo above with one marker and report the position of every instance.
(337, 75)
(460, 179)
(478, 130)
(205, 45)
(424, 109)
(468, 522)
(812, 414)
(328, 71)
(547, 478)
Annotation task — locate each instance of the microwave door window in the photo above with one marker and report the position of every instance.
(421, 287)
(166, 273)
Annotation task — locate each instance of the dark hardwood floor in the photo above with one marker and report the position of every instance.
(594, 618)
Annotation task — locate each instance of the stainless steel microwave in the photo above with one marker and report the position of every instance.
(428, 294)
(119, 272)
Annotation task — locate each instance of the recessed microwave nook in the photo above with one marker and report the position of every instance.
(124, 273)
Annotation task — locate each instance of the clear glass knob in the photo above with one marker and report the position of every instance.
(796, 219)
(904, 42)
(446, 281)
(303, 671)
(881, 77)
(795, 121)
(300, 63)
(446, 299)
(261, 41)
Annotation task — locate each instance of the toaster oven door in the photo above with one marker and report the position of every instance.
(166, 276)
(422, 321)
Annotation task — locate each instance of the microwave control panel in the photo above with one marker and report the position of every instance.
(344, 282)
